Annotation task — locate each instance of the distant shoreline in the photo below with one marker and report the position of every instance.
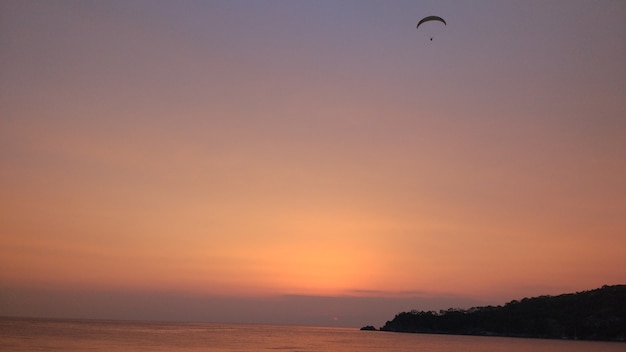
(595, 315)
(493, 335)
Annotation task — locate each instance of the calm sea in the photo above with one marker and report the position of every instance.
(92, 335)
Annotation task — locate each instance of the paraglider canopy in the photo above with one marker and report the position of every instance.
(429, 19)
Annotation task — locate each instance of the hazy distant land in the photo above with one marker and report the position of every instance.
(598, 314)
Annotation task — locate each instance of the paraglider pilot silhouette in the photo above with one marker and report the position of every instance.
(428, 19)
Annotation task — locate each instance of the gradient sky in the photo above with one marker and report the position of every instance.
(307, 162)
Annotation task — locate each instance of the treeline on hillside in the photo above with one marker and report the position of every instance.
(598, 314)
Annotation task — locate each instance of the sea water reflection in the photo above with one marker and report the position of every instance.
(92, 335)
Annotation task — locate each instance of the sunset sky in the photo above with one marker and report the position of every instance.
(307, 162)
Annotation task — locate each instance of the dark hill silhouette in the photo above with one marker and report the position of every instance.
(598, 314)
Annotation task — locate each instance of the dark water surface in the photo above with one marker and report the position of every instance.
(96, 335)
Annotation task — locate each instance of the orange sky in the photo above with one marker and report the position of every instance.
(313, 148)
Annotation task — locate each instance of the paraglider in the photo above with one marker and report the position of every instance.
(431, 18)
